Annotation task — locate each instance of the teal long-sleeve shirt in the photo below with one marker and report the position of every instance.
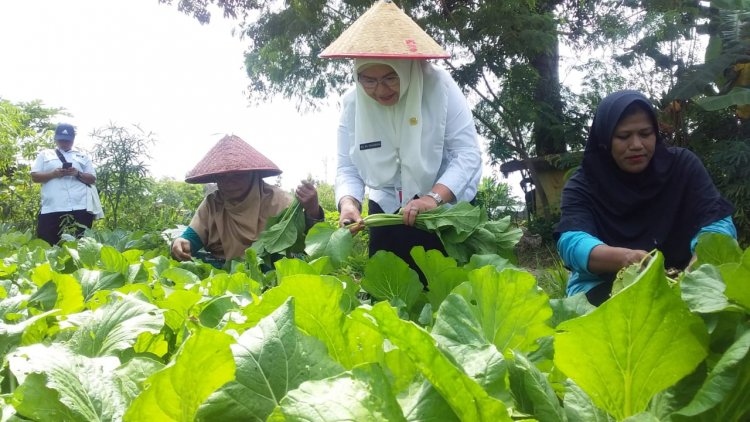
(575, 248)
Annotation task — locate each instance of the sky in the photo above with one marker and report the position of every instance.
(139, 62)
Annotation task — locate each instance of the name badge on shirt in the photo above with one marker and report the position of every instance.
(369, 145)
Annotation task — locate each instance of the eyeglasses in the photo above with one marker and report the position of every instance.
(391, 81)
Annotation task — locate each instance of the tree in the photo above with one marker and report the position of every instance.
(505, 57)
(723, 80)
(25, 128)
(121, 171)
(496, 198)
(171, 203)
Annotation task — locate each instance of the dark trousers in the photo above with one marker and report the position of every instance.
(597, 295)
(50, 226)
(400, 239)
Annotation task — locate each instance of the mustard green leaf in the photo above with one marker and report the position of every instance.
(292, 266)
(401, 369)
(11, 334)
(506, 236)
(131, 376)
(482, 260)
(41, 274)
(532, 392)
(6, 270)
(422, 402)
(151, 343)
(735, 406)
(568, 308)
(467, 399)
(442, 273)
(722, 379)
(716, 249)
(132, 256)
(69, 293)
(481, 241)
(579, 407)
(137, 273)
(112, 260)
(203, 364)
(44, 297)
(365, 344)
(452, 224)
(283, 232)
(214, 310)
(642, 417)
(158, 264)
(323, 265)
(317, 310)
(93, 281)
(236, 283)
(350, 300)
(272, 358)
(703, 290)
(625, 278)
(11, 308)
(736, 276)
(363, 394)
(512, 312)
(324, 240)
(85, 385)
(114, 326)
(252, 265)
(88, 252)
(388, 277)
(636, 344)
(26, 400)
(459, 333)
(177, 306)
(180, 276)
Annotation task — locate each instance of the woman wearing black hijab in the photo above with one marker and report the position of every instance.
(633, 194)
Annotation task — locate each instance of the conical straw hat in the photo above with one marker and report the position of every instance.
(385, 31)
(231, 155)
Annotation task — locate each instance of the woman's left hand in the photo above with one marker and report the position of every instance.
(416, 206)
(307, 195)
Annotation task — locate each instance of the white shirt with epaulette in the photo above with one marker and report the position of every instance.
(63, 193)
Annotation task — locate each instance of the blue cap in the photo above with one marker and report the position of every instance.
(65, 132)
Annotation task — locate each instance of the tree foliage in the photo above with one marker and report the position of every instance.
(496, 199)
(120, 158)
(504, 57)
(25, 128)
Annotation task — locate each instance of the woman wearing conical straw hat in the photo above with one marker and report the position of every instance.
(230, 219)
(406, 131)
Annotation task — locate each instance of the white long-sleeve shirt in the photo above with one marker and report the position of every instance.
(460, 168)
(63, 193)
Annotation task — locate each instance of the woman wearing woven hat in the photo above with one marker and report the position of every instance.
(406, 131)
(230, 219)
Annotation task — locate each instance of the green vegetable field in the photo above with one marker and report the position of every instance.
(109, 329)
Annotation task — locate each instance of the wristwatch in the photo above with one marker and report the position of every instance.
(436, 196)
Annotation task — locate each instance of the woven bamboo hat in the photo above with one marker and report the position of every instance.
(231, 155)
(385, 32)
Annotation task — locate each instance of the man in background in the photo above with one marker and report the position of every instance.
(65, 174)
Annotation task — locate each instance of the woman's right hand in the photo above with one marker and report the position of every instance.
(633, 256)
(348, 214)
(181, 249)
(609, 259)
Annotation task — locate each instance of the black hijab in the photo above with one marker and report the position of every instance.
(662, 207)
